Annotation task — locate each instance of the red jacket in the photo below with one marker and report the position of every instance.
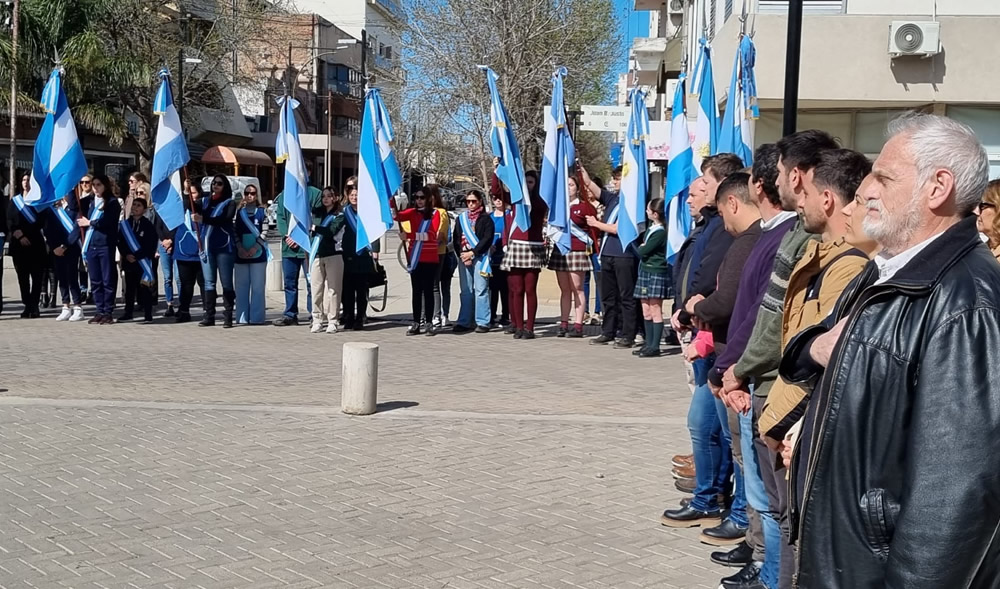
(429, 251)
(578, 214)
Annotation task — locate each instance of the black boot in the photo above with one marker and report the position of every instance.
(228, 301)
(209, 319)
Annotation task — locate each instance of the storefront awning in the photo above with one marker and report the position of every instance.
(236, 156)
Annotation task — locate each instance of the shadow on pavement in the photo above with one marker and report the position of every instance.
(390, 405)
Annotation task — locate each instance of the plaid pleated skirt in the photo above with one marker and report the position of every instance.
(652, 286)
(571, 262)
(521, 254)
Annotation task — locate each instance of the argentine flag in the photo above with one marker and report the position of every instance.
(557, 160)
(59, 162)
(635, 172)
(295, 197)
(706, 136)
(680, 174)
(511, 170)
(741, 107)
(378, 175)
(170, 156)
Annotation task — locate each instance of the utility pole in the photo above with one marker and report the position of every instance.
(13, 96)
(364, 63)
(328, 158)
(180, 72)
(793, 49)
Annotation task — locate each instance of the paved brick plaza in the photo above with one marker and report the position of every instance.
(174, 456)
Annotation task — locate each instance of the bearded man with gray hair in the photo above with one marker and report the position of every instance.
(896, 482)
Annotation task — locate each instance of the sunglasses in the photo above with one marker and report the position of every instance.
(985, 205)
(250, 193)
(471, 200)
(216, 183)
(419, 197)
(85, 182)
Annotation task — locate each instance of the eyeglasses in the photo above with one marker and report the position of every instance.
(985, 205)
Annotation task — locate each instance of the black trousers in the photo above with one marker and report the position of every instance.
(189, 273)
(136, 291)
(618, 277)
(499, 293)
(30, 269)
(66, 275)
(355, 297)
(422, 281)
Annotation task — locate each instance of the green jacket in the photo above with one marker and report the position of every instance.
(653, 252)
(315, 200)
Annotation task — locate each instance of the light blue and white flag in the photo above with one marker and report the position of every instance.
(295, 197)
(504, 143)
(558, 159)
(378, 174)
(680, 174)
(170, 155)
(59, 162)
(635, 172)
(741, 114)
(706, 136)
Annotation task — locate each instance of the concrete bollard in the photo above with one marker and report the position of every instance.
(275, 278)
(359, 378)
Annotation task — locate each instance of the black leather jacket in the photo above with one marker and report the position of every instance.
(902, 479)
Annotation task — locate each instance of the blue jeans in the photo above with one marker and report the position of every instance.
(221, 264)
(290, 270)
(757, 498)
(596, 261)
(167, 271)
(475, 297)
(709, 441)
(250, 301)
(738, 512)
(67, 274)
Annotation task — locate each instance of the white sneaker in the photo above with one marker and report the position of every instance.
(77, 314)
(332, 327)
(316, 327)
(65, 315)
(444, 321)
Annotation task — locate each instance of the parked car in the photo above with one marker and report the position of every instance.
(238, 183)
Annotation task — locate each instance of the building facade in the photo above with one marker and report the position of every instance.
(854, 76)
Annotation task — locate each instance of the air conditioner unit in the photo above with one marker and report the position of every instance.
(914, 38)
(675, 6)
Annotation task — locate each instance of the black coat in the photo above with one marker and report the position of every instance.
(901, 488)
(17, 222)
(484, 229)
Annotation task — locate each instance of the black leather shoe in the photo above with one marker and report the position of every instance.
(737, 557)
(285, 321)
(685, 517)
(601, 340)
(482, 329)
(182, 317)
(649, 353)
(510, 329)
(170, 311)
(685, 485)
(726, 534)
(624, 344)
(747, 578)
(525, 334)
(414, 329)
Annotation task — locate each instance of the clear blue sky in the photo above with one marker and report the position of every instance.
(631, 24)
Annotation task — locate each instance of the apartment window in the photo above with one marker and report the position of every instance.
(729, 10)
(346, 127)
(388, 52)
(808, 6)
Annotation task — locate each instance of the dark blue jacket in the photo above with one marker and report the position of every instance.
(706, 255)
(56, 234)
(245, 236)
(223, 237)
(106, 228)
(185, 245)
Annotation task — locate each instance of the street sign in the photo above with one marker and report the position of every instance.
(604, 118)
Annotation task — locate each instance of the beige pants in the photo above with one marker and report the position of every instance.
(327, 279)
